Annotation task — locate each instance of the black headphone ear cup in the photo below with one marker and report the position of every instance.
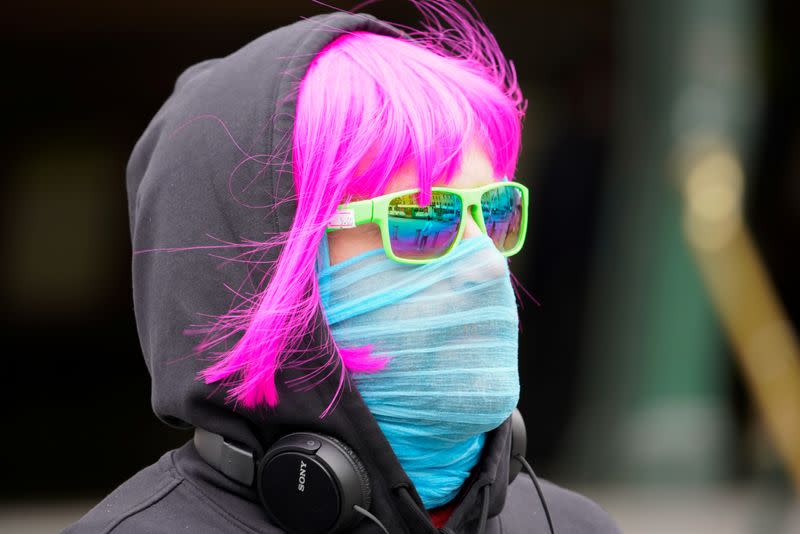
(361, 470)
(306, 471)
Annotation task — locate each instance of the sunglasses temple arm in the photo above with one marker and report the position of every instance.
(351, 215)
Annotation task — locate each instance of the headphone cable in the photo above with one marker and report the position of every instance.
(374, 519)
(484, 509)
(529, 469)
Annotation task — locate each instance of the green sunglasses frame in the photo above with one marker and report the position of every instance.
(376, 210)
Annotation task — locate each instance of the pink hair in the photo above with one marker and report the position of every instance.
(368, 105)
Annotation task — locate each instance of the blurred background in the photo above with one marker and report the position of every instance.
(660, 370)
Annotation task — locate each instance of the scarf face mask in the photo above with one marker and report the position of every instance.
(451, 329)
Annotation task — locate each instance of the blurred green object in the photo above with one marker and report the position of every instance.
(655, 406)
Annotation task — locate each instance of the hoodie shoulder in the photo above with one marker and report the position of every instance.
(133, 497)
(158, 500)
(571, 512)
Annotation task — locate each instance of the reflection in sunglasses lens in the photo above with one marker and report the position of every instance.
(502, 214)
(417, 232)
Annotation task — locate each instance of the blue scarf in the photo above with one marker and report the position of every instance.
(451, 329)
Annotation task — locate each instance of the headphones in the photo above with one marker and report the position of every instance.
(306, 471)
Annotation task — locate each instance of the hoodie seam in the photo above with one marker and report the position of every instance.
(194, 488)
(288, 105)
(161, 491)
(276, 92)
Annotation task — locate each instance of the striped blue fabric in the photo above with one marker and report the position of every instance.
(451, 328)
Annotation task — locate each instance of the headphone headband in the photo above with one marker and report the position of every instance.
(304, 470)
(232, 461)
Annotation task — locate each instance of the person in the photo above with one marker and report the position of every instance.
(339, 377)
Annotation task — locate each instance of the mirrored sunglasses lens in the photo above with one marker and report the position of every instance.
(502, 213)
(417, 232)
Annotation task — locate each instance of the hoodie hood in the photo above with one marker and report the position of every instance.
(187, 182)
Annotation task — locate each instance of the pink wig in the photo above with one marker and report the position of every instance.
(368, 105)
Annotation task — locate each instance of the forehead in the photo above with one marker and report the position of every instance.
(476, 170)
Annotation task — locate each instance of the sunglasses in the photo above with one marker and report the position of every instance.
(415, 234)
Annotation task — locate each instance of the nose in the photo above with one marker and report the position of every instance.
(471, 228)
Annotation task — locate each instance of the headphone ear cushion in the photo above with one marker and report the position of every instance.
(360, 469)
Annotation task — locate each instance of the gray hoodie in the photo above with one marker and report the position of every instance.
(178, 180)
